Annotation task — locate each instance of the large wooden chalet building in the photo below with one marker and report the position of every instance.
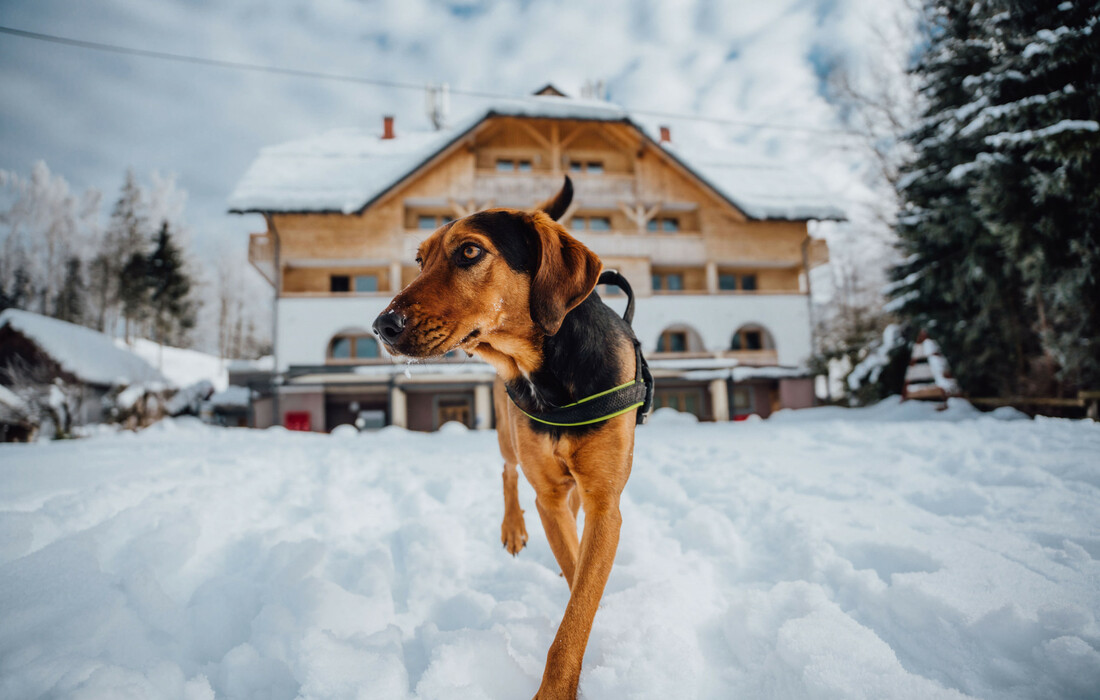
(717, 250)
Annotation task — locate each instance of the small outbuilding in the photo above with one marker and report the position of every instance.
(66, 374)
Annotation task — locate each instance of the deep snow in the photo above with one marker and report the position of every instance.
(891, 552)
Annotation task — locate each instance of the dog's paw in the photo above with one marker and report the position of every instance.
(513, 533)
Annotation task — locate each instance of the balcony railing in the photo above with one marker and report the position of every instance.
(674, 249)
(526, 189)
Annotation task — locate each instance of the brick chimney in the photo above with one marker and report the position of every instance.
(666, 135)
(387, 127)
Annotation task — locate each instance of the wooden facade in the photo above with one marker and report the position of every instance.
(641, 211)
(696, 261)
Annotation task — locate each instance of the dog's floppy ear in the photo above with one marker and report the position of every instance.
(566, 273)
(559, 203)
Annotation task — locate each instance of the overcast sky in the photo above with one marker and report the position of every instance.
(91, 115)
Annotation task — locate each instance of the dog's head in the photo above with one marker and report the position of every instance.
(492, 283)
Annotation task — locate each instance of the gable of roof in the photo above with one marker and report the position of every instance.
(549, 89)
(345, 171)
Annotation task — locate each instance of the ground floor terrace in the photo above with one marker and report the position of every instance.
(425, 396)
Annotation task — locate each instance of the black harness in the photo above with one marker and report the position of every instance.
(636, 394)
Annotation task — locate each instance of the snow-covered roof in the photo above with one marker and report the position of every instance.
(345, 170)
(762, 190)
(88, 355)
(182, 367)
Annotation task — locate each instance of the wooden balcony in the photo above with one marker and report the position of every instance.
(669, 249)
(674, 249)
(528, 189)
(261, 253)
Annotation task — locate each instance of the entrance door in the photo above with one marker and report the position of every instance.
(456, 409)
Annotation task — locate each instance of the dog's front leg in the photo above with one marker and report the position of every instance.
(597, 554)
(513, 531)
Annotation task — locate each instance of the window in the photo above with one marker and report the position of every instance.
(430, 222)
(608, 290)
(591, 223)
(592, 167)
(511, 165)
(340, 349)
(366, 348)
(729, 282)
(664, 224)
(366, 283)
(670, 282)
(672, 341)
(742, 400)
(339, 283)
(749, 339)
(353, 347)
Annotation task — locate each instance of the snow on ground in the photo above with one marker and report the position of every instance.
(890, 552)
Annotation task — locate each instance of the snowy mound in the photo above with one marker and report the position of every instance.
(849, 554)
(86, 354)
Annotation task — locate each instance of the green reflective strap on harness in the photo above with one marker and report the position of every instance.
(616, 414)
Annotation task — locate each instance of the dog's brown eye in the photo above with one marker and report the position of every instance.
(471, 252)
(419, 262)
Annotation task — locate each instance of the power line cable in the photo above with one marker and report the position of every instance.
(380, 82)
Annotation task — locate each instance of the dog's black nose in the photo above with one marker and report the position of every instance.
(388, 325)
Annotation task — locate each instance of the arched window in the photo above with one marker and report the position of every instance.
(353, 346)
(752, 337)
(680, 338)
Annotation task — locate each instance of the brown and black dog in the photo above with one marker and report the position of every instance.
(514, 288)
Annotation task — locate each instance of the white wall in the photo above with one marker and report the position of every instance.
(717, 316)
(307, 324)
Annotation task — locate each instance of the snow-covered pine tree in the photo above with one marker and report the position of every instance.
(955, 279)
(16, 292)
(123, 238)
(1039, 184)
(170, 285)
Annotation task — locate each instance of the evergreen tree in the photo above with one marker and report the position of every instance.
(69, 302)
(133, 292)
(1039, 187)
(173, 310)
(956, 279)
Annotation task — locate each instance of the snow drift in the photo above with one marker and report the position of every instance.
(891, 552)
